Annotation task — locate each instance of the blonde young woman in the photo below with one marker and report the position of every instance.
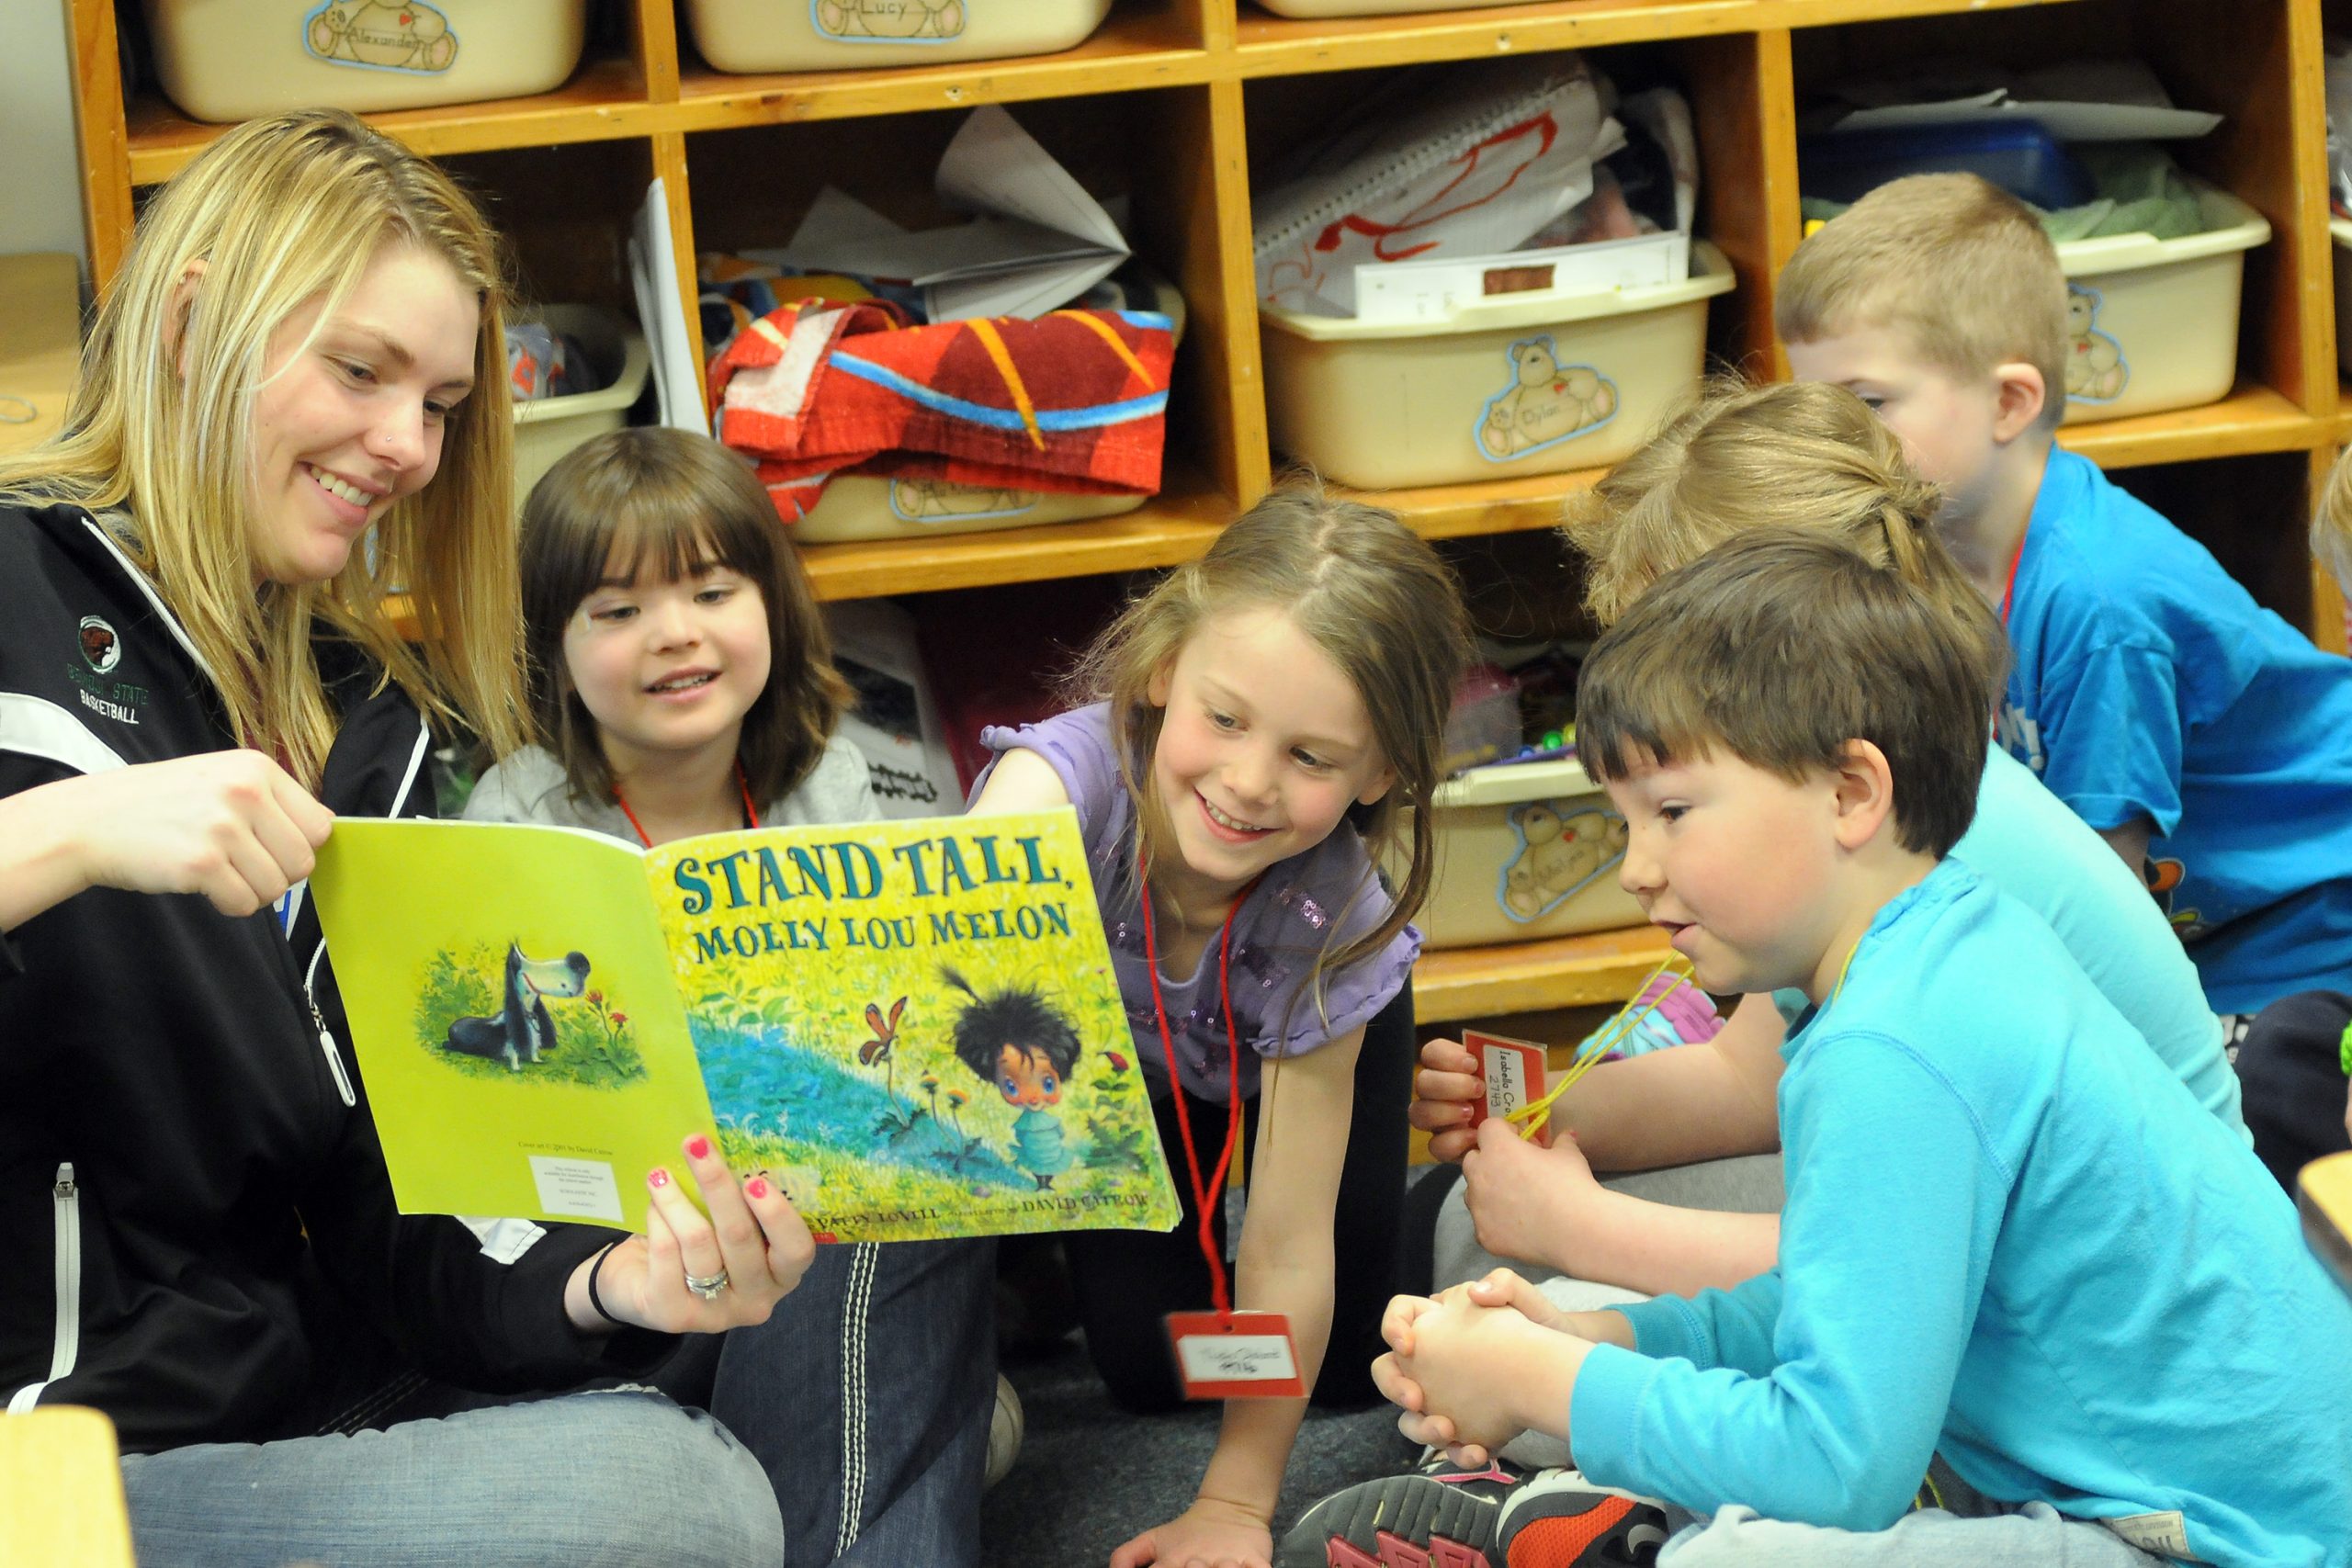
(295, 391)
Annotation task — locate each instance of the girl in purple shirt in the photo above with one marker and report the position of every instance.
(1264, 720)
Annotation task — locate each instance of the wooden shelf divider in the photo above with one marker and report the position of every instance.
(1460, 983)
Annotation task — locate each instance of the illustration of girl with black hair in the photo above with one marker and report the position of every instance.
(1017, 1041)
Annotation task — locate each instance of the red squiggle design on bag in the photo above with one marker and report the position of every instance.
(1543, 127)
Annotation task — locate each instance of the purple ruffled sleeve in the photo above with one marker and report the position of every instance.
(1296, 905)
(1077, 746)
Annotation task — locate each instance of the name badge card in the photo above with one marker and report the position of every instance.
(1514, 1073)
(1241, 1355)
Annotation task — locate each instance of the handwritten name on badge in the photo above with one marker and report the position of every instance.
(1513, 1070)
(1248, 1354)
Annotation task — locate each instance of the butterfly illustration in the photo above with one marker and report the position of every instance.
(885, 1033)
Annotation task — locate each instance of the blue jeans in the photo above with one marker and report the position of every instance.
(583, 1481)
(868, 1396)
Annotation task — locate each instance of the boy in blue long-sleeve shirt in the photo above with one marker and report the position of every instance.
(2012, 1240)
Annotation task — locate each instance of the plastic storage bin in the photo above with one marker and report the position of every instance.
(1525, 383)
(545, 428)
(1524, 849)
(844, 35)
(2153, 324)
(2019, 156)
(230, 59)
(864, 506)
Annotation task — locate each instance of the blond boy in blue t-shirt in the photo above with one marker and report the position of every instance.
(2203, 737)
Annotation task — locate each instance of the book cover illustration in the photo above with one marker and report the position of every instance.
(912, 1026)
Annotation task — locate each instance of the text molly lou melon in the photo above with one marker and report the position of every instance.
(750, 896)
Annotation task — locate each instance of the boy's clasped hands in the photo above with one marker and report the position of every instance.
(1476, 1365)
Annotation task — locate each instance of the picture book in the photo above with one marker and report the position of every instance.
(912, 1026)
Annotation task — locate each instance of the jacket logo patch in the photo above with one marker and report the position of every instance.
(101, 651)
(99, 645)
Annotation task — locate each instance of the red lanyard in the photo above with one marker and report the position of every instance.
(750, 812)
(1205, 1196)
(2010, 591)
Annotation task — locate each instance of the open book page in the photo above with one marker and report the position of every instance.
(913, 1026)
(510, 1000)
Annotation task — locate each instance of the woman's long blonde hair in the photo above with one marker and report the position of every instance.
(275, 213)
(1741, 459)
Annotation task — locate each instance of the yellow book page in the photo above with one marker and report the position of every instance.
(913, 1026)
(516, 1025)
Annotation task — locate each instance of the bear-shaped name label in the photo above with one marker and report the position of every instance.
(1544, 404)
(412, 37)
(2095, 371)
(878, 21)
(1559, 851)
(921, 501)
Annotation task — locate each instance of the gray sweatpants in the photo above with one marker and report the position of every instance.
(1969, 1532)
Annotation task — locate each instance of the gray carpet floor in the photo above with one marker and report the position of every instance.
(1090, 1476)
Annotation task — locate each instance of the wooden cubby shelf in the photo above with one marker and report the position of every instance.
(1172, 103)
(1454, 984)
(1130, 51)
(2250, 420)
(605, 100)
(1172, 526)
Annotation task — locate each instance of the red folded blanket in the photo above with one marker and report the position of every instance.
(1073, 402)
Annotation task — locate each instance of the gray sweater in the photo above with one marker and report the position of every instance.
(530, 786)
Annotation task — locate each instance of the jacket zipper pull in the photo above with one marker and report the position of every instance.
(334, 1056)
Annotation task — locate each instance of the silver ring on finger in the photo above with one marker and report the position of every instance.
(707, 1288)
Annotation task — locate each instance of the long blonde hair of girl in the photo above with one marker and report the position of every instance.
(275, 214)
(1359, 585)
(1795, 455)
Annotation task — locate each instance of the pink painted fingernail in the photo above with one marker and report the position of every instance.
(658, 1179)
(699, 1147)
(757, 1187)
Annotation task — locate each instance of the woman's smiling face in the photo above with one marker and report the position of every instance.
(353, 409)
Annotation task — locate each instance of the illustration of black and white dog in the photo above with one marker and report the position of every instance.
(523, 1029)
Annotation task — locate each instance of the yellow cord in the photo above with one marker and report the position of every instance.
(1536, 1114)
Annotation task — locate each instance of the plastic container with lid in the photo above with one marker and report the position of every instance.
(2019, 156)
(1524, 849)
(545, 428)
(1532, 382)
(232, 60)
(2152, 324)
(847, 35)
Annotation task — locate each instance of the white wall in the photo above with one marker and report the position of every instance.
(40, 203)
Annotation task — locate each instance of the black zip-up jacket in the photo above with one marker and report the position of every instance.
(200, 1236)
